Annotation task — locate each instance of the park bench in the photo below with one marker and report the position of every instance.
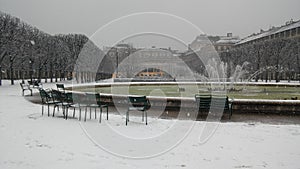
(209, 103)
(61, 87)
(35, 84)
(25, 87)
(138, 103)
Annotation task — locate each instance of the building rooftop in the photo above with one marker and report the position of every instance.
(274, 30)
(228, 40)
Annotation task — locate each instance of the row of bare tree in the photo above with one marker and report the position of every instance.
(277, 59)
(27, 52)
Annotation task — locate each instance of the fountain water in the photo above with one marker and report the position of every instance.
(238, 73)
(261, 70)
(219, 73)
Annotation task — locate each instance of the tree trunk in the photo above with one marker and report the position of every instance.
(56, 74)
(51, 73)
(267, 74)
(277, 70)
(3, 54)
(11, 75)
(81, 77)
(46, 75)
(257, 65)
(77, 76)
(277, 76)
(298, 63)
(39, 74)
(257, 76)
(0, 75)
(7, 74)
(22, 76)
(60, 75)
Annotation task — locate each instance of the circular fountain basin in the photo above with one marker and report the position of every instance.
(271, 98)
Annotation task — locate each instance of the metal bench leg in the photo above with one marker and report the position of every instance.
(128, 117)
(74, 113)
(67, 109)
(146, 117)
(79, 114)
(127, 114)
(48, 110)
(64, 114)
(42, 109)
(230, 111)
(90, 113)
(85, 114)
(100, 115)
(95, 113)
(107, 113)
(53, 111)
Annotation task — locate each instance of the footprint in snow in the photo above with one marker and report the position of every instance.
(243, 166)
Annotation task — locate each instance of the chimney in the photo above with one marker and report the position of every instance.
(229, 34)
(261, 31)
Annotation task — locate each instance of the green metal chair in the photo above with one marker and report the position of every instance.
(101, 105)
(24, 88)
(60, 100)
(93, 100)
(79, 101)
(47, 99)
(206, 103)
(71, 101)
(223, 104)
(90, 102)
(138, 103)
(203, 103)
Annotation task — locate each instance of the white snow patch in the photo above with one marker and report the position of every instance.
(29, 140)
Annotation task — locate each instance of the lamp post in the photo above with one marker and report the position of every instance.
(32, 42)
(31, 69)
(11, 59)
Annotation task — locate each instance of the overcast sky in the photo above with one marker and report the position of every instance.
(214, 17)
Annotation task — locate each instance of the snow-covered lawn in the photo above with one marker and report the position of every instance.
(29, 140)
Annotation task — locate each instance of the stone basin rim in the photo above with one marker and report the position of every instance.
(106, 84)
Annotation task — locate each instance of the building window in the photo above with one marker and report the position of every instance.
(294, 31)
(287, 33)
(282, 34)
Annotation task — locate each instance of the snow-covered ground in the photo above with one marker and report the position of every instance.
(29, 140)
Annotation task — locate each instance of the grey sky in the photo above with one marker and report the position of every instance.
(215, 17)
